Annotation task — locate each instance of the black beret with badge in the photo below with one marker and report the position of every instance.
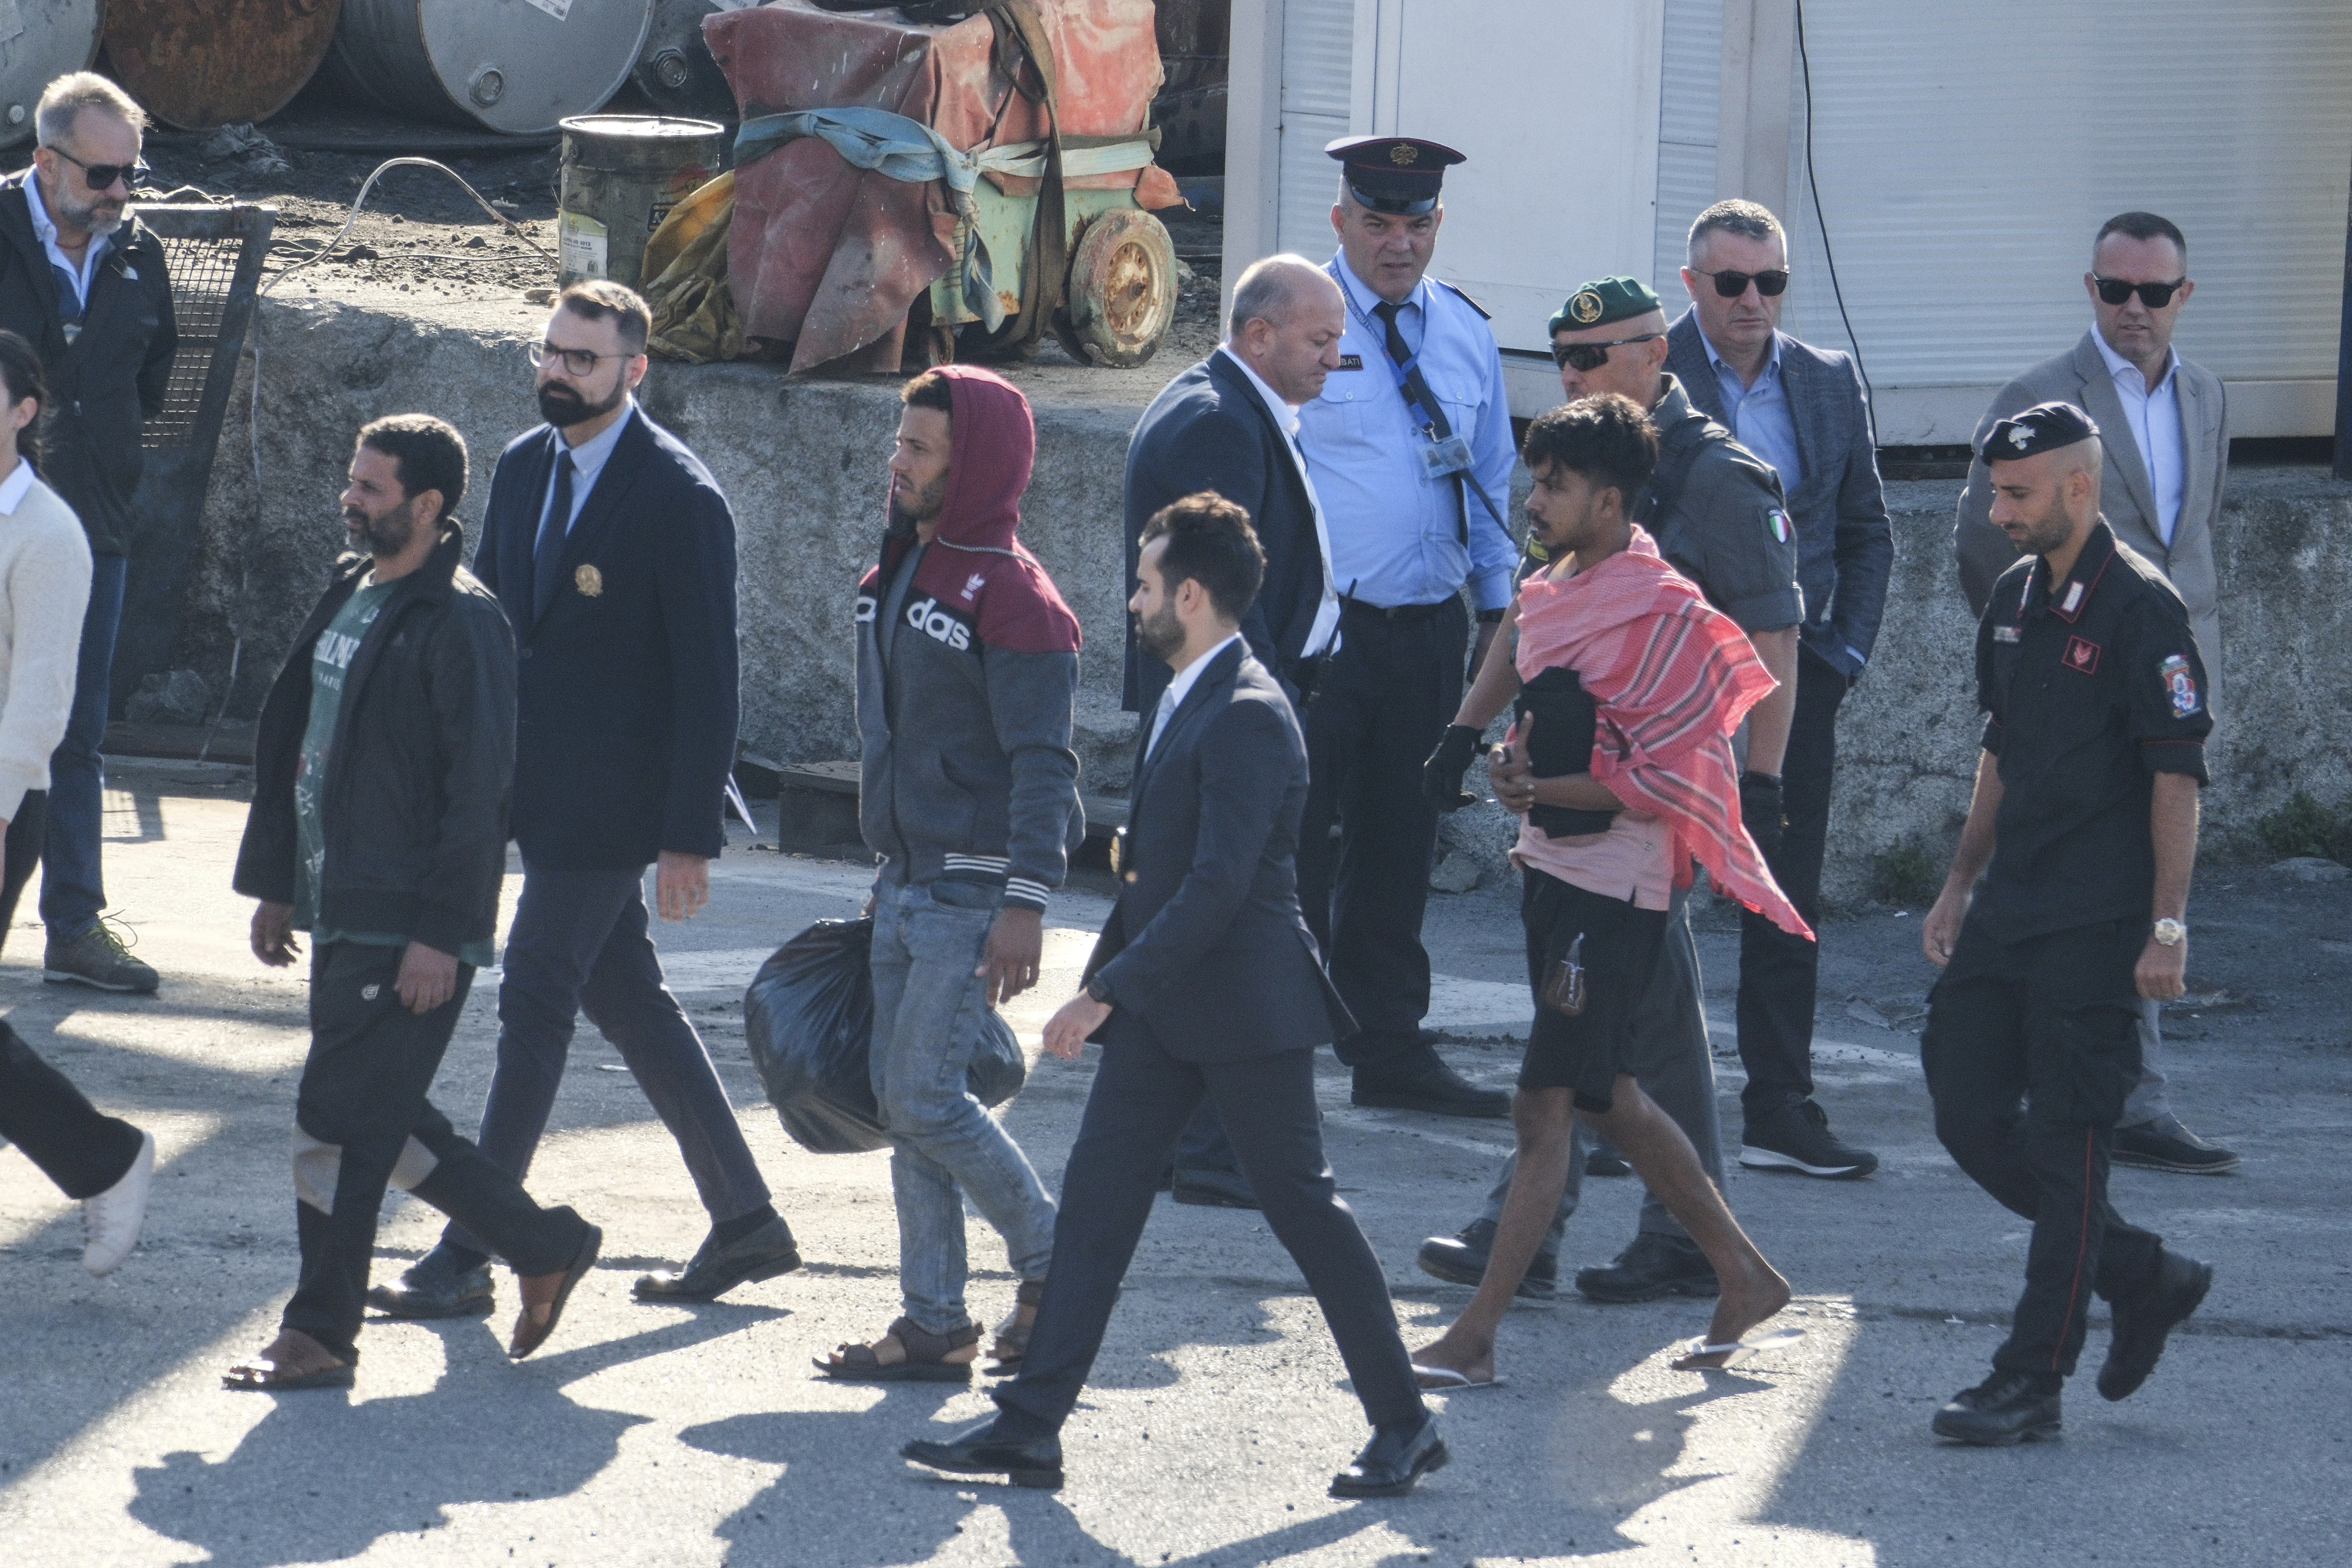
(1399, 174)
(1601, 301)
(2044, 428)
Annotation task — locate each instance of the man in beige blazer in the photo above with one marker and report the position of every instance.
(2166, 426)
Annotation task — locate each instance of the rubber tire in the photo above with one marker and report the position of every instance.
(1121, 292)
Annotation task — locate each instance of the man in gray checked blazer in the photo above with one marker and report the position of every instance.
(2166, 426)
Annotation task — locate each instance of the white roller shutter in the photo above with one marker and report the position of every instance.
(1690, 93)
(1966, 154)
(1318, 53)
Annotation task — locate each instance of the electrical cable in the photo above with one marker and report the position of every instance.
(253, 416)
(1821, 222)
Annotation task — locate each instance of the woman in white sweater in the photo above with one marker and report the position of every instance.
(102, 1161)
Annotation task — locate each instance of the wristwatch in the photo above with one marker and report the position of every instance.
(2169, 932)
(1098, 991)
(1490, 618)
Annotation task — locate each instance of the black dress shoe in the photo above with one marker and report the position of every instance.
(1653, 1266)
(1392, 1461)
(2005, 1408)
(1462, 1260)
(976, 1451)
(438, 1285)
(1213, 1189)
(2143, 1322)
(714, 1270)
(2164, 1144)
(1417, 1080)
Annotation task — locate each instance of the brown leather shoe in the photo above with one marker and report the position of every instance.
(550, 1291)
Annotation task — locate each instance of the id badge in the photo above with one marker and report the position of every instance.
(1563, 989)
(1451, 456)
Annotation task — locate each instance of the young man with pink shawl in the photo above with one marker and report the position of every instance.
(1622, 765)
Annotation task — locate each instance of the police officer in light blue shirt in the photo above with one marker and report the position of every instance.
(1411, 450)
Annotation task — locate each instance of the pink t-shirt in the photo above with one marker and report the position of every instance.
(1630, 860)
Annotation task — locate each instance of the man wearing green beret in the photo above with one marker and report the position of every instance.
(1716, 513)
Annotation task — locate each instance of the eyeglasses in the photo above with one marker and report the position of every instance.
(101, 176)
(1593, 356)
(577, 361)
(1732, 285)
(2154, 296)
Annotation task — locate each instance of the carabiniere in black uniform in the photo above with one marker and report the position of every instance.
(2091, 688)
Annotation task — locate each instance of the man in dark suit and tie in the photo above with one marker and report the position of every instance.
(1230, 424)
(613, 551)
(1206, 984)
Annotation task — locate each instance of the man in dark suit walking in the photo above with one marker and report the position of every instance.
(1800, 409)
(1206, 982)
(613, 551)
(1230, 424)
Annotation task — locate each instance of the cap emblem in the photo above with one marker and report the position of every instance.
(1586, 307)
(1402, 153)
(2020, 435)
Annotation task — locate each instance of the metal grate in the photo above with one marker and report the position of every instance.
(202, 269)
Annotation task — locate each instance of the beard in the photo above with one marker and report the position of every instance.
(382, 533)
(1160, 634)
(907, 510)
(562, 408)
(96, 217)
(2047, 532)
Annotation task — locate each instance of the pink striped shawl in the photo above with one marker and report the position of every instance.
(1672, 677)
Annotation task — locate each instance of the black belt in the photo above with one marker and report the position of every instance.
(1398, 613)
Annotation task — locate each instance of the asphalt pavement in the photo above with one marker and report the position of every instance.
(690, 1436)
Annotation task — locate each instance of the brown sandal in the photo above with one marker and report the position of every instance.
(926, 1357)
(1013, 1334)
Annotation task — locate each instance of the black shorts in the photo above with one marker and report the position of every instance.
(1621, 951)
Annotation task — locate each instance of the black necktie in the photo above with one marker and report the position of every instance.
(551, 537)
(1416, 391)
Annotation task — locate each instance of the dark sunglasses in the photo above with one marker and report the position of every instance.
(1732, 285)
(1593, 356)
(2154, 296)
(101, 176)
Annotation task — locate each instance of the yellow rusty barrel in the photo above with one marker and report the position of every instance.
(622, 173)
(195, 64)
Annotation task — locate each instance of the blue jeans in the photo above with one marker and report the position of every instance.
(927, 1008)
(579, 944)
(73, 885)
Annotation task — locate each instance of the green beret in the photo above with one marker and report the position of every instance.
(1598, 303)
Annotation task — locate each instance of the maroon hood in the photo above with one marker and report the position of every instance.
(977, 570)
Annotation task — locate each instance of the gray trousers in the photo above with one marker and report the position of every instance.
(1668, 1057)
(2151, 1097)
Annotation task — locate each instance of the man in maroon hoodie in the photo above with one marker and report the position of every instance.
(967, 680)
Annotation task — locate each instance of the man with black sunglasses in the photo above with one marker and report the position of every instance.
(2167, 429)
(1801, 409)
(84, 282)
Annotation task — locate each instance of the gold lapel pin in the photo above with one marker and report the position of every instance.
(589, 580)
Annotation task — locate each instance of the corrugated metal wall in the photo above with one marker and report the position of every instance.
(1690, 93)
(1965, 153)
(1318, 54)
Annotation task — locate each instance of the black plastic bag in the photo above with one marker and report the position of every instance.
(809, 1020)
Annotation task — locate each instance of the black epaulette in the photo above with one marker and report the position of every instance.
(1484, 314)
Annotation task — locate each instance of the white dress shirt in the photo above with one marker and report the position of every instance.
(46, 228)
(1323, 636)
(588, 461)
(1181, 687)
(2154, 415)
(13, 487)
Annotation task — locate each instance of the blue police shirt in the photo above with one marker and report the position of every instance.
(1760, 415)
(1396, 531)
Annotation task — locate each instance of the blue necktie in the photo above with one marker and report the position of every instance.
(552, 535)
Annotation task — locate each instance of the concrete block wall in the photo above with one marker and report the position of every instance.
(803, 463)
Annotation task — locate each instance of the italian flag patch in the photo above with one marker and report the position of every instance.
(1780, 525)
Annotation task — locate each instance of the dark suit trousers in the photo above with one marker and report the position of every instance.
(361, 1123)
(41, 1113)
(1141, 1098)
(580, 946)
(2030, 1050)
(1384, 702)
(1779, 974)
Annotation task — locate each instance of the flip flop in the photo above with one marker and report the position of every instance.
(245, 1380)
(1445, 1379)
(1733, 1352)
(528, 1335)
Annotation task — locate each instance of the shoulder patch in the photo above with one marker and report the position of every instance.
(1484, 314)
(2179, 685)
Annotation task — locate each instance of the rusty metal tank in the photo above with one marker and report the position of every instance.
(40, 40)
(195, 64)
(517, 66)
(675, 71)
(622, 173)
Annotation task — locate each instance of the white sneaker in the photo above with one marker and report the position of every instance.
(110, 1221)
